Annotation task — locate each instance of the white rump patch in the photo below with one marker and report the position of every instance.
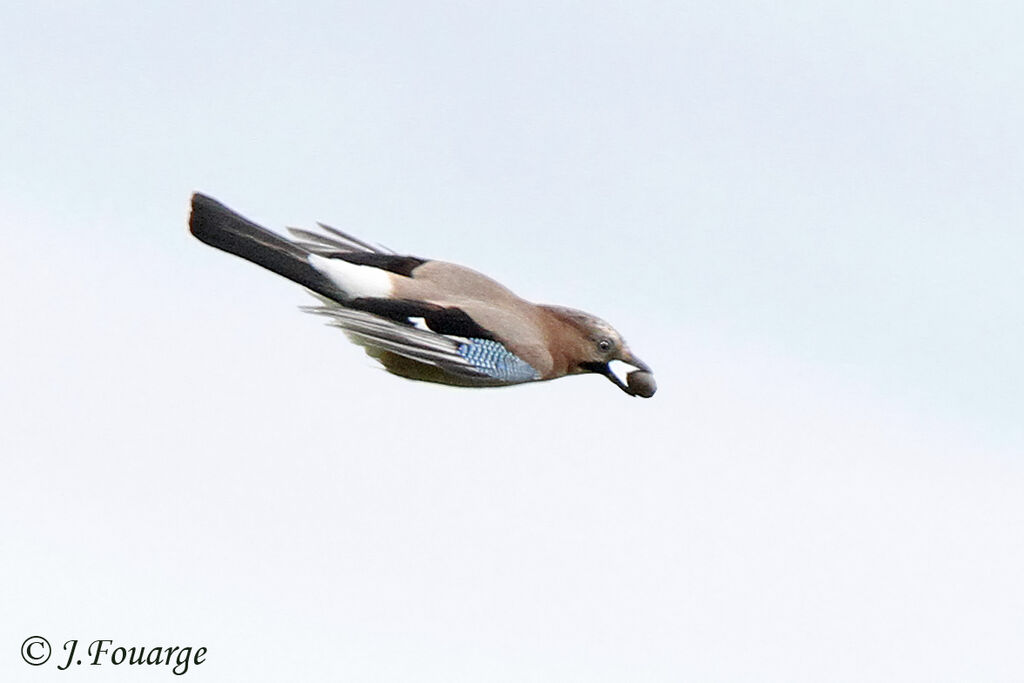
(356, 281)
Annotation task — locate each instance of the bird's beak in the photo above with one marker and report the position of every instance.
(628, 373)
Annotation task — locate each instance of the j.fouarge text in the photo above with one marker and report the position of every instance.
(103, 651)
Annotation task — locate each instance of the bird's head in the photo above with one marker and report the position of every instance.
(596, 346)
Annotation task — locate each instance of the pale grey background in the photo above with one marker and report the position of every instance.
(806, 217)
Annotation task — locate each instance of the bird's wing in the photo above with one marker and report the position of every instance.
(333, 241)
(470, 360)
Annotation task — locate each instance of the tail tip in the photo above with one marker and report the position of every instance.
(203, 207)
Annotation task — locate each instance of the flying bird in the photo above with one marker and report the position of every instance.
(424, 319)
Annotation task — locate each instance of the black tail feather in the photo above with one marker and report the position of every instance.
(220, 227)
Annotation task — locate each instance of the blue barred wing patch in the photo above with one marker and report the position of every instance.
(496, 361)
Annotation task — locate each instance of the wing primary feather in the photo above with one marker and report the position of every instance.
(336, 241)
(366, 246)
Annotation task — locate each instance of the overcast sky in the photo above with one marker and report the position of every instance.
(806, 218)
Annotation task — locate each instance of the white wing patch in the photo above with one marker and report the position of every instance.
(419, 324)
(355, 280)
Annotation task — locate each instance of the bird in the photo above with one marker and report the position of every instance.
(424, 319)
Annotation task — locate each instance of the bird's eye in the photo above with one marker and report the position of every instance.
(605, 345)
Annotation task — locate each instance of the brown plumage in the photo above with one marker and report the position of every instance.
(426, 319)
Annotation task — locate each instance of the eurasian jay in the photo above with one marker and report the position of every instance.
(423, 319)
